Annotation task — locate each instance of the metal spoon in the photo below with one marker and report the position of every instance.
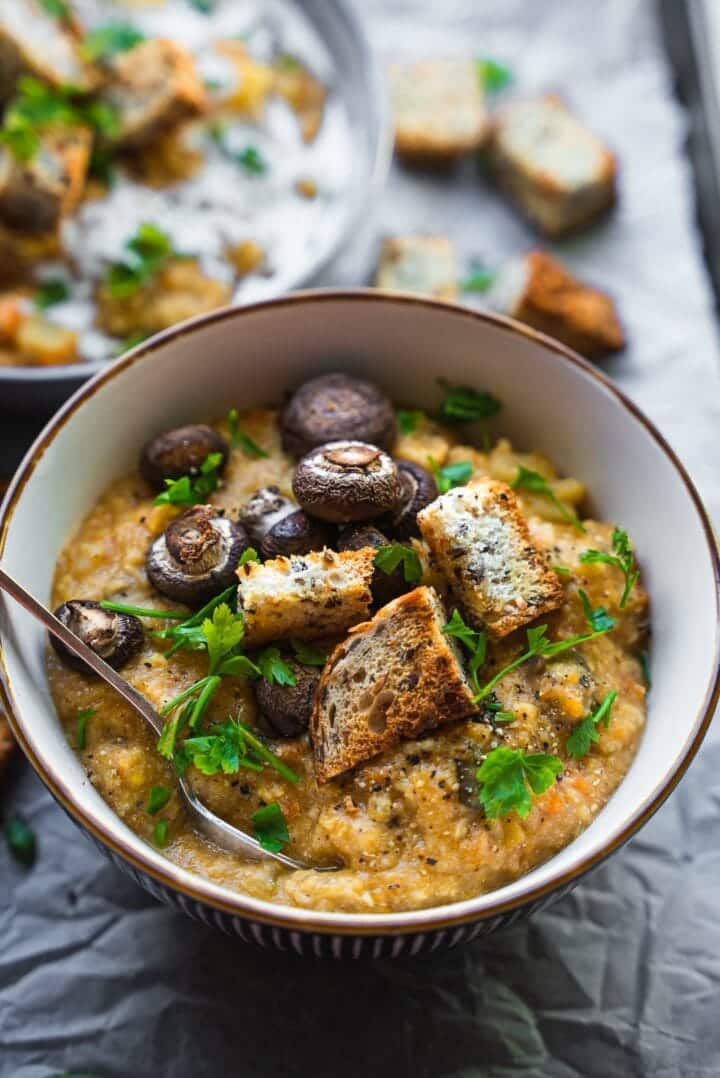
(214, 828)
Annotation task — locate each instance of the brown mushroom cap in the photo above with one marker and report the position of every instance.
(385, 586)
(262, 511)
(196, 556)
(296, 533)
(287, 708)
(419, 489)
(347, 481)
(337, 406)
(116, 638)
(180, 452)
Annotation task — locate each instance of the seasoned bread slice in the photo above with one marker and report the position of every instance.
(480, 540)
(439, 109)
(423, 264)
(559, 173)
(305, 596)
(395, 677)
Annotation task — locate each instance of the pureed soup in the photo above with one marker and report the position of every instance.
(378, 639)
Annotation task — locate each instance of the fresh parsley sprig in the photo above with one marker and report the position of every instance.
(250, 158)
(389, 557)
(586, 733)
(622, 558)
(451, 475)
(274, 669)
(107, 41)
(228, 747)
(158, 799)
(20, 838)
(463, 404)
(81, 721)
(307, 654)
(538, 484)
(493, 75)
(270, 827)
(240, 440)
(473, 640)
(409, 420)
(479, 279)
(192, 490)
(51, 291)
(145, 254)
(507, 777)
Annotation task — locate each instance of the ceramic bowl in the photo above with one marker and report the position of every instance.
(553, 401)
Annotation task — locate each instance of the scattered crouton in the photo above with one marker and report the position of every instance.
(36, 194)
(46, 344)
(558, 173)
(439, 109)
(395, 677)
(480, 540)
(305, 596)
(423, 264)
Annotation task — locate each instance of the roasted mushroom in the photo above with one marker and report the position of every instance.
(336, 406)
(286, 708)
(180, 452)
(347, 481)
(196, 556)
(295, 534)
(419, 489)
(116, 638)
(262, 511)
(385, 586)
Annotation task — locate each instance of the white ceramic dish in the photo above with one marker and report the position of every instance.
(553, 401)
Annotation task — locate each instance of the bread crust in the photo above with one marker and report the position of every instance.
(423, 264)
(439, 110)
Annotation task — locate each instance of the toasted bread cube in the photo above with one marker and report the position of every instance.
(46, 343)
(34, 42)
(557, 172)
(305, 596)
(36, 194)
(480, 540)
(155, 88)
(395, 677)
(423, 264)
(544, 295)
(439, 109)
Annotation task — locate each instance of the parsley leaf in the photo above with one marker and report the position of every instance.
(57, 8)
(239, 440)
(308, 655)
(250, 554)
(228, 747)
(408, 420)
(81, 722)
(191, 491)
(158, 799)
(222, 633)
(274, 668)
(107, 41)
(51, 291)
(507, 777)
(205, 7)
(585, 733)
(20, 838)
(598, 619)
(493, 75)
(463, 404)
(160, 834)
(147, 251)
(479, 279)
(529, 480)
(451, 475)
(622, 558)
(251, 160)
(474, 641)
(271, 827)
(389, 557)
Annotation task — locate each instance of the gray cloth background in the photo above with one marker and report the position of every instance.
(621, 978)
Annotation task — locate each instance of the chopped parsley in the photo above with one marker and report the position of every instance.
(57, 8)
(271, 827)
(239, 440)
(158, 799)
(229, 746)
(160, 833)
(479, 279)
(274, 669)
(463, 404)
(451, 475)
(248, 555)
(586, 733)
(146, 252)
(81, 727)
(598, 618)
(622, 558)
(51, 291)
(473, 640)
(249, 158)
(308, 655)
(538, 484)
(107, 41)
(20, 838)
(101, 168)
(142, 611)
(191, 490)
(561, 569)
(388, 558)
(408, 421)
(205, 7)
(38, 107)
(493, 75)
(645, 668)
(507, 777)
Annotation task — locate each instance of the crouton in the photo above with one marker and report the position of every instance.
(395, 677)
(36, 194)
(35, 42)
(550, 299)
(558, 173)
(46, 344)
(20, 251)
(480, 540)
(155, 88)
(439, 109)
(423, 264)
(305, 596)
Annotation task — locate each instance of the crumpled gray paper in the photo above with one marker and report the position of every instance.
(621, 978)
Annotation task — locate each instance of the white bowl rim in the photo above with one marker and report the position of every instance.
(434, 918)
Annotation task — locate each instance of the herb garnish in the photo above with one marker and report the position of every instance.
(463, 404)
(20, 838)
(57, 8)
(493, 75)
(498, 714)
(239, 440)
(160, 833)
(473, 640)
(479, 279)
(158, 799)
(205, 7)
(645, 667)
(147, 251)
(107, 41)
(229, 746)
(274, 669)
(51, 291)
(38, 106)
(271, 827)
(250, 554)
(506, 774)
(408, 420)
(389, 557)
(585, 733)
(622, 558)
(142, 611)
(529, 480)
(308, 655)
(81, 722)
(249, 158)
(451, 475)
(193, 490)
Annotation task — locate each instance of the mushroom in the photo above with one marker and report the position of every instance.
(385, 586)
(196, 556)
(180, 452)
(287, 708)
(347, 481)
(116, 638)
(419, 489)
(262, 511)
(296, 533)
(336, 406)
